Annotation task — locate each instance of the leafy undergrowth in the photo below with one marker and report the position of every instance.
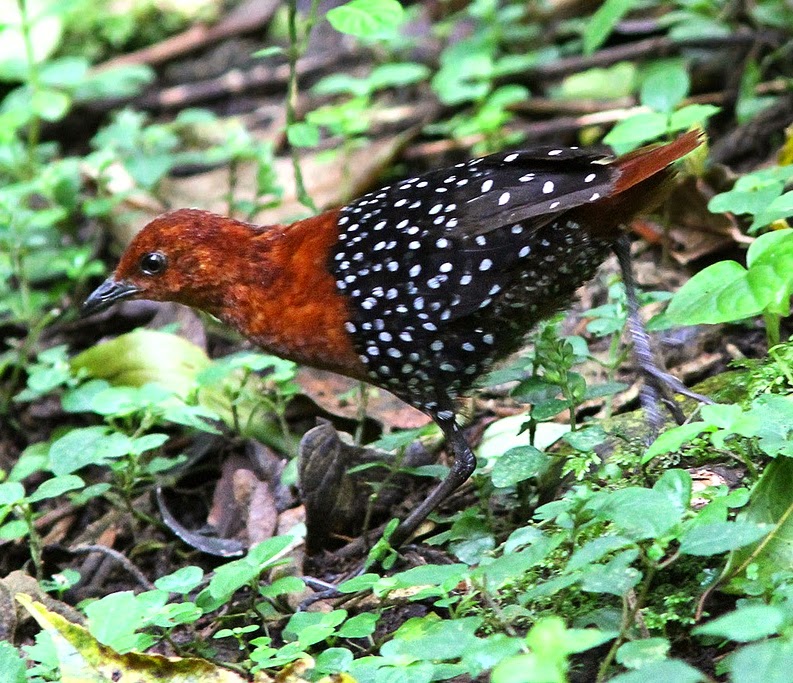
(148, 498)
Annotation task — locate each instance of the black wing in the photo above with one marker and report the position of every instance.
(434, 248)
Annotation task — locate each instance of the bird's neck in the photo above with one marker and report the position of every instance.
(286, 300)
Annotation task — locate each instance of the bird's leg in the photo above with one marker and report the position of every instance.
(462, 468)
(659, 386)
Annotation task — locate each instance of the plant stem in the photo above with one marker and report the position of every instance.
(295, 49)
(34, 127)
(772, 333)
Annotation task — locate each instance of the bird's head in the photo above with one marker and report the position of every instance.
(185, 256)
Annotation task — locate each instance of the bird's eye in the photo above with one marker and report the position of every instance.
(153, 263)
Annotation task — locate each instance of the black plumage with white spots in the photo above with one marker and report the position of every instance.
(444, 273)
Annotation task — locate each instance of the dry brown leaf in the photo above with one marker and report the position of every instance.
(339, 396)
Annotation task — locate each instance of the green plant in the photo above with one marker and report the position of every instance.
(664, 86)
(760, 194)
(728, 292)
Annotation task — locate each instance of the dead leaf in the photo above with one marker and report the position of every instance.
(83, 659)
(338, 395)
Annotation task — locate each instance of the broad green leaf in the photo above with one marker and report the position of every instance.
(87, 446)
(691, 115)
(52, 488)
(665, 86)
(182, 581)
(333, 660)
(594, 550)
(666, 671)
(770, 504)
(673, 439)
(144, 356)
(767, 662)
(309, 628)
(616, 577)
(50, 105)
(303, 135)
(636, 130)
(751, 201)
(431, 638)
(11, 664)
(518, 464)
(719, 293)
(366, 18)
(639, 513)
(610, 83)
(488, 652)
(638, 653)
(11, 492)
(397, 75)
(81, 658)
(780, 208)
(675, 484)
(360, 626)
(445, 576)
(745, 624)
(712, 539)
(602, 22)
(511, 566)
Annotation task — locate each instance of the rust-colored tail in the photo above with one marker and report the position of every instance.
(644, 183)
(642, 163)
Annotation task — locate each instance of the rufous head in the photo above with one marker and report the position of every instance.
(185, 256)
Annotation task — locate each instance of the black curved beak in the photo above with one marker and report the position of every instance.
(107, 294)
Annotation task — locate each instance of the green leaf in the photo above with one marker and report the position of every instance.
(665, 86)
(691, 115)
(752, 201)
(752, 622)
(636, 130)
(518, 464)
(333, 660)
(116, 82)
(616, 577)
(360, 626)
(770, 504)
(87, 446)
(507, 567)
(309, 628)
(767, 662)
(52, 488)
(712, 539)
(676, 485)
(594, 550)
(137, 358)
(303, 135)
(50, 105)
(11, 492)
(181, 581)
(719, 293)
(664, 671)
(639, 513)
(602, 22)
(366, 18)
(673, 439)
(64, 72)
(431, 638)
(11, 664)
(397, 75)
(638, 653)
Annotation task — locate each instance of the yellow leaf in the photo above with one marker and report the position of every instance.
(83, 659)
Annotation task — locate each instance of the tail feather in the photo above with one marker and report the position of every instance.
(642, 163)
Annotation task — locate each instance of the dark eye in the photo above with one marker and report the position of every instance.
(153, 263)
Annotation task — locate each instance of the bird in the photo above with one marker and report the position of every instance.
(418, 287)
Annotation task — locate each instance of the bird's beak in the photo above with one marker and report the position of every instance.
(108, 293)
